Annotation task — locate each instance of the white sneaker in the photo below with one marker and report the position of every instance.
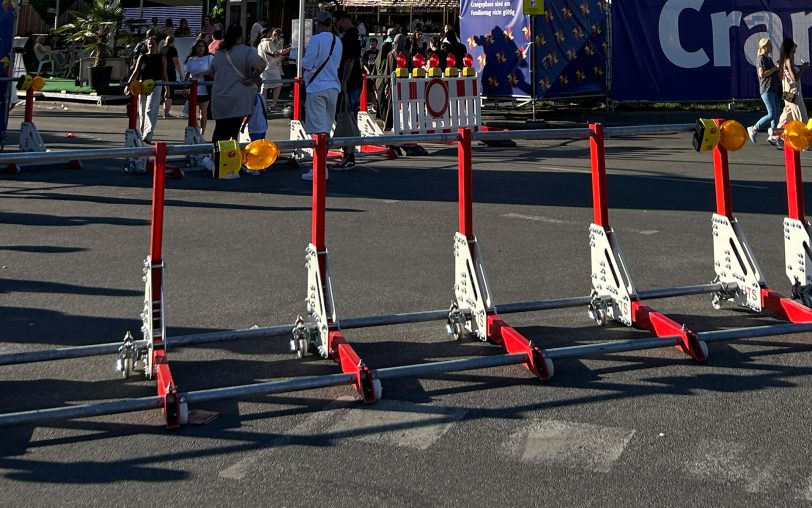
(751, 132)
(309, 176)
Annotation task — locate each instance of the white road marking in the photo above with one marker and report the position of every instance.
(570, 444)
(397, 423)
(730, 461)
(238, 470)
(390, 201)
(551, 220)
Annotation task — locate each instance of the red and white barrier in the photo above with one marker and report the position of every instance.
(440, 104)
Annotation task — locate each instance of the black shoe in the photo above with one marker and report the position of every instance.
(345, 164)
(778, 143)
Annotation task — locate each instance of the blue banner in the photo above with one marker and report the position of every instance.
(695, 50)
(570, 48)
(497, 34)
(8, 12)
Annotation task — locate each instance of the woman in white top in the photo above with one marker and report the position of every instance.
(198, 68)
(271, 49)
(791, 85)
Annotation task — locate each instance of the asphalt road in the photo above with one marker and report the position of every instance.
(640, 428)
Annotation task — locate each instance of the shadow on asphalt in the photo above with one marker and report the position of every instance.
(379, 179)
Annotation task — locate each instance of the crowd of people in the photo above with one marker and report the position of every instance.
(239, 73)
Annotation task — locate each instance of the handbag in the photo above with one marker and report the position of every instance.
(789, 96)
(346, 124)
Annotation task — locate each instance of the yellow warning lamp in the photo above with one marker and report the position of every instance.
(732, 135)
(227, 160)
(401, 71)
(796, 135)
(706, 135)
(24, 82)
(451, 70)
(259, 154)
(149, 86)
(468, 65)
(38, 83)
(136, 87)
(418, 70)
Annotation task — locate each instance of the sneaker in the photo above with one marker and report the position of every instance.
(778, 143)
(345, 164)
(751, 132)
(309, 176)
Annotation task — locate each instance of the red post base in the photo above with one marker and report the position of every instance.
(784, 307)
(663, 326)
(506, 336)
(351, 363)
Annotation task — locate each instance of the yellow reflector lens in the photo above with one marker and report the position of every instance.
(149, 86)
(259, 154)
(38, 83)
(795, 135)
(733, 135)
(24, 82)
(136, 88)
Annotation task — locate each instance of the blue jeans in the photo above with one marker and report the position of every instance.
(773, 102)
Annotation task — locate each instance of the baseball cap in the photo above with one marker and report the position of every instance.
(763, 42)
(324, 17)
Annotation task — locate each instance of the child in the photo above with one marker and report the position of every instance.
(257, 125)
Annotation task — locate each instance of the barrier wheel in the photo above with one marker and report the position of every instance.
(716, 301)
(377, 388)
(459, 332)
(125, 367)
(302, 348)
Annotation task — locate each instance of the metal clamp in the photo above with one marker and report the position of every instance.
(598, 309)
(302, 337)
(456, 322)
(727, 293)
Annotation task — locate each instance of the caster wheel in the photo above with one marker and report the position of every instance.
(183, 414)
(125, 367)
(302, 348)
(598, 315)
(377, 388)
(716, 301)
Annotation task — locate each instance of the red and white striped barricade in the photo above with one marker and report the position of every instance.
(436, 104)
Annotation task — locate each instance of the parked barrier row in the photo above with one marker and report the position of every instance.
(474, 312)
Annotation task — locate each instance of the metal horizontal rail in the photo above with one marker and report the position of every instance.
(532, 134)
(643, 130)
(395, 139)
(419, 370)
(345, 324)
(69, 155)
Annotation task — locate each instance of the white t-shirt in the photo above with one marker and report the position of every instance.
(266, 49)
(198, 66)
(316, 53)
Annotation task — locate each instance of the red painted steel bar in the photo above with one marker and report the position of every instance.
(29, 104)
(297, 99)
(597, 150)
(785, 308)
(642, 315)
(193, 105)
(663, 326)
(498, 331)
(363, 103)
(795, 184)
(339, 349)
(464, 189)
(721, 173)
(319, 190)
(163, 375)
(132, 112)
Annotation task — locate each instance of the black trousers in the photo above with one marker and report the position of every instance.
(226, 128)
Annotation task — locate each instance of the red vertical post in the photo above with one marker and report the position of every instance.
(464, 186)
(297, 99)
(363, 103)
(158, 185)
(721, 177)
(795, 184)
(319, 190)
(597, 150)
(193, 105)
(132, 112)
(29, 104)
